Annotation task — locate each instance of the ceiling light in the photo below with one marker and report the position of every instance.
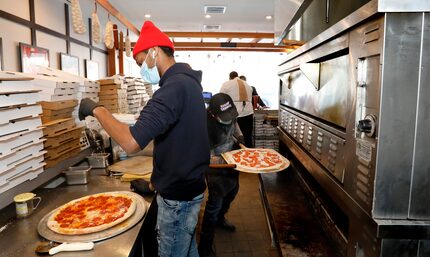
(207, 16)
(269, 17)
(147, 16)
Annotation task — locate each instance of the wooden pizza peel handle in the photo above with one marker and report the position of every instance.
(242, 146)
(222, 166)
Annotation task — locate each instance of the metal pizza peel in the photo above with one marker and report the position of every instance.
(139, 213)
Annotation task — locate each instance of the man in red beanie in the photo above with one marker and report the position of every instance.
(175, 118)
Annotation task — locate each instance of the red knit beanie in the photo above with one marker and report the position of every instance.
(151, 36)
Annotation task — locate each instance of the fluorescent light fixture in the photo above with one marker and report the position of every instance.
(269, 17)
(147, 15)
(208, 16)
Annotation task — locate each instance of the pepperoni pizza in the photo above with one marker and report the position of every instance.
(92, 213)
(256, 160)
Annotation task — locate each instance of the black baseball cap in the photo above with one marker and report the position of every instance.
(222, 105)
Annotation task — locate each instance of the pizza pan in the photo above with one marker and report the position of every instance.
(141, 208)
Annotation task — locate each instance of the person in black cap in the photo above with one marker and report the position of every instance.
(223, 184)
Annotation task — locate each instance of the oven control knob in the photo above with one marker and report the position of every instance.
(367, 125)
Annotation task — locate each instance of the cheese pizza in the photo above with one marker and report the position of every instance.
(256, 160)
(93, 213)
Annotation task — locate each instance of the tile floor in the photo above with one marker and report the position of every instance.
(251, 238)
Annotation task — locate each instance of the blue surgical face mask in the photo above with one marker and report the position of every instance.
(150, 75)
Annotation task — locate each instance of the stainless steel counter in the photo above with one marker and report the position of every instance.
(19, 237)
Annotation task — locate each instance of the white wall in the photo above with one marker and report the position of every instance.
(51, 14)
(11, 34)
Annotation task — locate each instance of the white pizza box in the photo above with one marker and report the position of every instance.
(24, 124)
(134, 101)
(81, 95)
(65, 91)
(66, 76)
(29, 174)
(13, 113)
(129, 119)
(11, 82)
(8, 160)
(132, 97)
(95, 88)
(12, 141)
(48, 82)
(53, 98)
(19, 98)
(136, 91)
(29, 162)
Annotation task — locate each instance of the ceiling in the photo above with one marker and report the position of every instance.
(243, 27)
(188, 15)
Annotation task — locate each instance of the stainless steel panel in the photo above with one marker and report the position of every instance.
(287, 12)
(421, 165)
(351, 20)
(399, 248)
(398, 106)
(329, 102)
(424, 248)
(403, 6)
(325, 147)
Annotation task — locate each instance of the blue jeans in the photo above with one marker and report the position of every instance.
(176, 224)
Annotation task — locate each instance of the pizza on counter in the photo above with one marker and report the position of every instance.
(93, 213)
(256, 160)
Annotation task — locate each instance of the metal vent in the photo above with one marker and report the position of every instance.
(215, 9)
(212, 27)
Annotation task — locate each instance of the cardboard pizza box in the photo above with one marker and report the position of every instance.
(70, 153)
(110, 87)
(48, 112)
(55, 152)
(50, 118)
(63, 137)
(55, 127)
(107, 97)
(111, 80)
(58, 105)
(108, 92)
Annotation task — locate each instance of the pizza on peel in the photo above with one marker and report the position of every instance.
(256, 160)
(93, 213)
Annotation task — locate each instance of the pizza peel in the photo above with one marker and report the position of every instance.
(52, 248)
(139, 213)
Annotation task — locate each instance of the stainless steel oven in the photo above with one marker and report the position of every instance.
(355, 111)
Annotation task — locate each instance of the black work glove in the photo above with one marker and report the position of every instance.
(142, 187)
(86, 108)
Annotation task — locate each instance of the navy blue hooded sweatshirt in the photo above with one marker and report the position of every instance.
(175, 118)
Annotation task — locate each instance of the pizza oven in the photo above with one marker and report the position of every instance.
(354, 111)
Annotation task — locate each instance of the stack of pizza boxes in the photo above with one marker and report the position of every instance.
(265, 132)
(85, 88)
(113, 94)
(137, 95)
(58, 100)
(21, 136)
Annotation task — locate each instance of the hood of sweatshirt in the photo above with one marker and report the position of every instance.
(181, 68)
